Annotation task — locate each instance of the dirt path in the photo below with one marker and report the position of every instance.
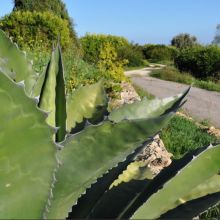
(201, 104)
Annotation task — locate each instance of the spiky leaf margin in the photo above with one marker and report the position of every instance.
(27, 154)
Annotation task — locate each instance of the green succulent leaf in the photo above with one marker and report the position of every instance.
(193, 207)
(89, 154)
(122, 195)
(87, 202)
(39, 84)
(209, 186)
(88, 102)
(147, 108)
(27, 154)
(52, 98)
(201, 168)
(145, 190)
(14, 63)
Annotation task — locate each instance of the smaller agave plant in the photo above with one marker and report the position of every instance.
(60, 154)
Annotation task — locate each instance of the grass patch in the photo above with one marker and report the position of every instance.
(182, 136)
(172, 74)
(143, 93)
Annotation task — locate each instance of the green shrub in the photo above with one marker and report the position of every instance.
(157, 53)
(81, 73)
(92, 45)
(56, 7)
(172, 74)
(72, 168)
(101, 51)
(36, 29)
(201, 61)
(182, 41)
(132, 53)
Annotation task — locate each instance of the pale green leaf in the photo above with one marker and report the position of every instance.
(200, 169)
(14, 63)
(27, 154)
(146, 108)
(88, 102)
(89, 154)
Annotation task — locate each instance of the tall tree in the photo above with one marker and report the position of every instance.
(183, 41)
(55, 6)
(217, 35)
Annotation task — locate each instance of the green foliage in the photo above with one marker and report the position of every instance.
(108, 63)
(15, 64)
(27, 160)
(143, 93)
(79, 73)
(217, 36)
(92, 45)
(101, 51)
(182, 136)
(165, 200)
(36, 29)
(154, 107)
(88, 102)
(200, 61)
(108, 142)
(133, 53)
(173, 74)
(158, 52)
(52, 97)
(164, 192)
(36, 185)
(182, 41)
(56, 7)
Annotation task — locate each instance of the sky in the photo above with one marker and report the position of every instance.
(142, 21)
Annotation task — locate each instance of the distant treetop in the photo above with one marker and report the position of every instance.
(184, 40)
(55, 6)
(217, 36)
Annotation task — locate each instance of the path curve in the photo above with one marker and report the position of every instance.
(201, 104)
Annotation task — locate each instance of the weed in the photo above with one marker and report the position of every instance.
(143, 93)
(182, 136)
(172, 74)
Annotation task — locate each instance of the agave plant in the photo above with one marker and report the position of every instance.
(60, 154)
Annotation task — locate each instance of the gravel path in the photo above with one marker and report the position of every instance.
(201, 104)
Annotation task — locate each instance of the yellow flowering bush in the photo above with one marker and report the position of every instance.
(36, 29)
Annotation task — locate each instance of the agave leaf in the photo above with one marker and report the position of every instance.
(125, 205)
(27, 154)
(210, 186)
(52, 98)
(193, 207)
(39, 84)
(60, 101)
(202, 167)
(14, 63)
(87, 202)
(122, 194)
(137, 170)
(89, 154)
(147, 108)
(88, 102)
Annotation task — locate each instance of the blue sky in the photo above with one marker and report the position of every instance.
(142, 21)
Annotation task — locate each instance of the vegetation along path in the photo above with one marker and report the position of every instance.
(201, 104)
